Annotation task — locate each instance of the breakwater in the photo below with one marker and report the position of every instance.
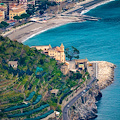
(105, 73)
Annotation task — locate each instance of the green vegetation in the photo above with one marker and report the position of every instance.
(17, 84)
(72, 53)
(40, 6)
(22, 16)
(3, 24)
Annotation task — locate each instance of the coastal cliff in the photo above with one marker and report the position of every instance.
(85, 108)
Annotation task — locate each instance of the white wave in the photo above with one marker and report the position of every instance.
(94, 6)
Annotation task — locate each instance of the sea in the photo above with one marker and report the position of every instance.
(96, 41)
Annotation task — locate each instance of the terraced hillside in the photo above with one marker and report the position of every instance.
(25, 91)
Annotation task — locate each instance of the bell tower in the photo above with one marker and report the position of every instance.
(62, 54)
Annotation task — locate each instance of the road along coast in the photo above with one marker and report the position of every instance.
(23, 33)
(83, 106)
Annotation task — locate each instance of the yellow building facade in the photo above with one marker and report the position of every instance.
(16, 12)
(2, 16)
(55, 52)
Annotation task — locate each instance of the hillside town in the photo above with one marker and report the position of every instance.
(14, 13)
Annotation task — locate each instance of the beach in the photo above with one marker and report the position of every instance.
(23, 33)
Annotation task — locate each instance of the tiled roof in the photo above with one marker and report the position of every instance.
(17, 10)
(12, 62)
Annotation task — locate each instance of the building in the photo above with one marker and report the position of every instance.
(55, 52)
(81, 64)
(16, 11)
(54, 91)
(57, 0)
(3, 11)
(65, 68)
(2, 16)
(22, 1)
(14, 64)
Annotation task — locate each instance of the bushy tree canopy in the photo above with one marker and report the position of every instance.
(72, 53)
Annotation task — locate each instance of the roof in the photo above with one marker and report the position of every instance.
(40, 46)
(11, 21)
(58, 49)
(17, 10)
(66, 63)
(12, 62)
(81, 60)
(54, 91)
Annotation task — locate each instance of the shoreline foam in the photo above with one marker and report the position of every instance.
(96, 5)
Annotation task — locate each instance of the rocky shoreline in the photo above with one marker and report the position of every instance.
(85, 107)
(105, 73)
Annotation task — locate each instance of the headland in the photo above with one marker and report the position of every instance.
(83, 102)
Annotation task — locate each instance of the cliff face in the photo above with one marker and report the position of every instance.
(85, 108)
(105, 73)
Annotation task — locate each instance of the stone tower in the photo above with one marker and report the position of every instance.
(62, 54)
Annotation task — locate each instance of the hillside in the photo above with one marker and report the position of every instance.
(31, 82)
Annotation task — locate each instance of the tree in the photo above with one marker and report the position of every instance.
(1, 25)
(17, 17)
(31, 9)
(25, 16)
(30, 12)
(72, 53)
(41, 12)
(4, 23)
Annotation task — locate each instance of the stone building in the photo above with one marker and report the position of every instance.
(65, 68)
(14, 64)
(54, 91)
(81, 64)
(55, 52)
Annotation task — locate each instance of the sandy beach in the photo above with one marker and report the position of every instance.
(23, 33)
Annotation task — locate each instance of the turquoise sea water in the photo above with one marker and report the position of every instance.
(96, 40)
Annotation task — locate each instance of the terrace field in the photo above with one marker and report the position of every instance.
(17, 85)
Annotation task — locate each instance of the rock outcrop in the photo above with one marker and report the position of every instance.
(105, 73)
(85, 108)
